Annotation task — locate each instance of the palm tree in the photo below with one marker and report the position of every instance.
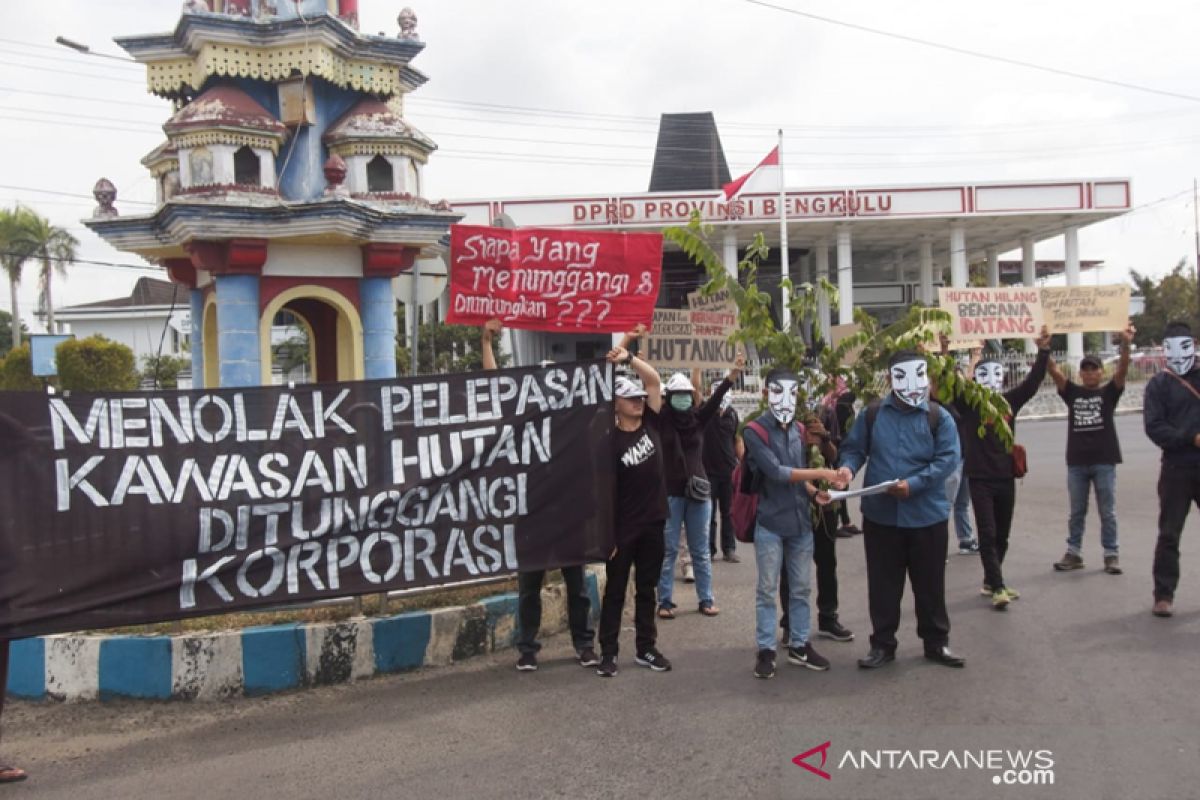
(55, 247)
(15, 250)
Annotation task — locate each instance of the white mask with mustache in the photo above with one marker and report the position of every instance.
(1180, 352)
(781, 398)
(910, 381)
(990, 375)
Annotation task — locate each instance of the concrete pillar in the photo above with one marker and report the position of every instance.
(925, 254)
(1028, 276)
(845, 269)
(1071, 255)
(958, 256)
(821, 259)
(197, 302)
(993, 267)
(237, 330)
(378, 307)
(730, 254)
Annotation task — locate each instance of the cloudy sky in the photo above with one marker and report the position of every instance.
(557, 97)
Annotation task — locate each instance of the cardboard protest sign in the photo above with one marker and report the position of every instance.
(553, 280)
(993, 313)
(720, 299)
(1077, 309)
(128, 508)
(683, 339)
(965, 343)
(839, 332)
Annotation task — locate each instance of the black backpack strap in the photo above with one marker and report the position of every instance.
(869, 418)
(934, 416)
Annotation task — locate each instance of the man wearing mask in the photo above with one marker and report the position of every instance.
(905, 530)
(1093, 452)
(722, 451)
(988, 466)
(689, 498)
(783, 534)
(1171, 414)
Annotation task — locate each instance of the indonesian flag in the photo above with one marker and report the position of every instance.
(733, 187)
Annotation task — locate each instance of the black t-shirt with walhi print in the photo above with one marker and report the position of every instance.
(641, 486)
(1091, 433)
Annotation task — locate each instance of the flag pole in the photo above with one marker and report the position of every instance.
(784, 265)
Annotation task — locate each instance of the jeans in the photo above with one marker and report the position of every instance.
(1079, 480)
(643, 555)
(722, 504)
(920, 555)
(694, 516)
(529, 609)
(1178, 488)
(825, 558)
(958, 492)
(772, 553)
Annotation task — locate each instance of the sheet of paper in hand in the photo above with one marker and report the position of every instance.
(879, 488)
(553, 280)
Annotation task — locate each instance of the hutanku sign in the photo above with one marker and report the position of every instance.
(1077, 309)
(121, 509)
(993, 313)
(694, 337)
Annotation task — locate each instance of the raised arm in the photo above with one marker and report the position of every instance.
(713, 403)
(649, 375)
(1056, 373)
(491, 329)
(631, 336)
(1021, 394)
(1122, 370)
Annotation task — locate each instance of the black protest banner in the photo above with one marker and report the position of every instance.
(127, 508)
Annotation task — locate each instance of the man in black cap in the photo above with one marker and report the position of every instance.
(1171, 414)
(1093, 452)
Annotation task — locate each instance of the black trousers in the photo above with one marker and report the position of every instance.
(993, 501)
(920, 554)
(722, 505)
(643, 555)
(1178, 488)
(529, 609)
(825, 559)
(3, 675)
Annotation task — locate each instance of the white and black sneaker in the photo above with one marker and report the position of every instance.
(654, 660)
(587, 657)
(608, 667)
(808, 657)
(527, 662)
(764, 665)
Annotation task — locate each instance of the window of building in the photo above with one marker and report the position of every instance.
(246, 169)
(380, 177)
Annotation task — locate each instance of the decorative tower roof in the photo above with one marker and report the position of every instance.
(225, 115)
(161, 159)
(371, 127)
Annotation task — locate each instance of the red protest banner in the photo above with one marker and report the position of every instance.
(553, 280)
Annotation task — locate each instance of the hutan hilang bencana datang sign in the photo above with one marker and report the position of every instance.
(993, 313)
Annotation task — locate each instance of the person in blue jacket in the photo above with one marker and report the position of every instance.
(905, 529)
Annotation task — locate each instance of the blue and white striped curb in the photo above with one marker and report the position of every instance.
(274, 658)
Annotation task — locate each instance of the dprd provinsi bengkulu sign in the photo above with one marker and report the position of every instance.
(127, 508)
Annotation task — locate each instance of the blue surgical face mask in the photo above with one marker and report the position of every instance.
(681, 401)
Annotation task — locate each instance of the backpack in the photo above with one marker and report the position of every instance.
(743, 510)
(872, 411)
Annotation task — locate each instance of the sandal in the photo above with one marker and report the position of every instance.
(12, 775)
(709, 610)
(666, 613)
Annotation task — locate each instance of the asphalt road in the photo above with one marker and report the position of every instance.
(1077, 667)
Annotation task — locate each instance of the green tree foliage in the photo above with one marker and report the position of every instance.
(163, 371)
(1171, 298)
(16, 248)
(919, 330)
(443, 348)
(53, 248)
(96, 364)
(6, 338)
(16, 371)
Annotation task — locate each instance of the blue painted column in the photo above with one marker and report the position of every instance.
(378, 307)
(237, 330)
(197, 338)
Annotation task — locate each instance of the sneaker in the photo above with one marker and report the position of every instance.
(1000, 599)
(732, 558)
(608, 667)
(985, 590)
(764, 665)
(587, 657)
(807, 656)
(969, 549)
(1162, 608)
(1112, 565)
(846, 531)
(527, 662)
(1069, 562)
(654, 660)
(1012, 593)
(689, 575)
(834, 630)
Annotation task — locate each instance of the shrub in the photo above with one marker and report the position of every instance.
(96, 364)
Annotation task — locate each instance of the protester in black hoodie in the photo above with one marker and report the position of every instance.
(988, 466)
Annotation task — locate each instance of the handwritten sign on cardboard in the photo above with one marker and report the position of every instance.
(1076, 309)
(993, 313)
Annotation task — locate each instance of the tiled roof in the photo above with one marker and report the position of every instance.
(146, 292)
(224, 106)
